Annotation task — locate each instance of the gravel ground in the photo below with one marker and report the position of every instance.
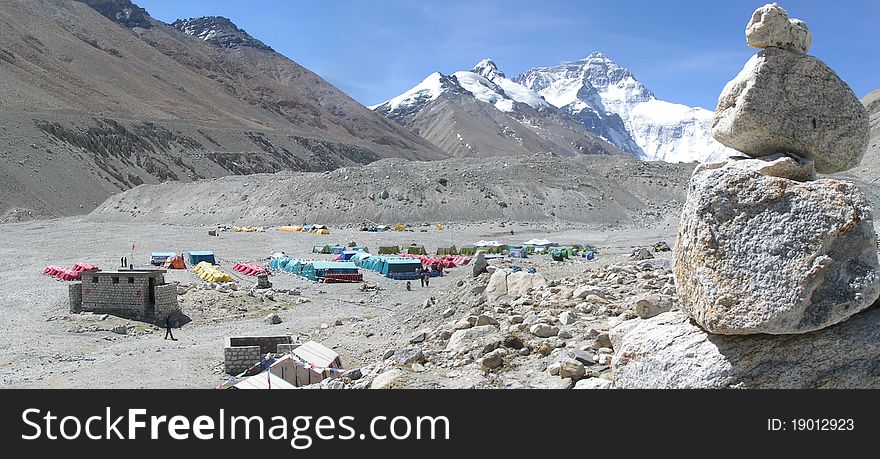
(43, 346)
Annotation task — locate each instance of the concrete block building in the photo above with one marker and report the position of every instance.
(242, 352)
(138, 294)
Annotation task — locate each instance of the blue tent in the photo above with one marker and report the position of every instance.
(337, 249)
(196, 257)
(401, 268)
(517, 253)
(347, 255)
(278, 262)
(316, 270)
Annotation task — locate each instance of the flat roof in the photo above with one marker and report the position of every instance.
(127, 272)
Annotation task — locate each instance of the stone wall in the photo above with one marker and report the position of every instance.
(74, 292)
(242, 352)
(287, 348)
(267, 344)
(240, 358)
(166, 301)
(121, 295)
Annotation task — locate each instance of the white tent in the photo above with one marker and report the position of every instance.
(487, 244)
(309, 363)
(263, 381)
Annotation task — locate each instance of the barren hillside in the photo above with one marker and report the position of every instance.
(97, 100)
(601, 190)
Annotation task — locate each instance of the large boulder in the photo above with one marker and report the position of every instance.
(480, 265)
(788, 102)
(671, 352)
(497, 285)
(770, 27)
(520, 282)
(762, 254)
(463, 341)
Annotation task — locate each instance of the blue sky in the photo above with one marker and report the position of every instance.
(684, 51)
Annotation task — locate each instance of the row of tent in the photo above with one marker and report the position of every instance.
(249, 269)
(68, 274)
(249, 229)
(445, 262)
(210, 273)
(315, 270)
(316, 229)
(412, 249)
(331, 249)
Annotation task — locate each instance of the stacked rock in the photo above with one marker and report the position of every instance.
(764, 247)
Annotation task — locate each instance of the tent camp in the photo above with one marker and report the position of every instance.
(309, 363)
(198, 256)
(291, 229)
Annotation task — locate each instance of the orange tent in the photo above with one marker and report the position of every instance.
(175, 263)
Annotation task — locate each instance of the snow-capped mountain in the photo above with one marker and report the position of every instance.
(607, 98)
(481, 112)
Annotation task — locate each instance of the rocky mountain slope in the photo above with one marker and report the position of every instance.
(482, 113)
(869, 169)
(96, 97)
(596, 190)
(611, 102)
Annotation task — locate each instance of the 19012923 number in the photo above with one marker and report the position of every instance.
(822, 424)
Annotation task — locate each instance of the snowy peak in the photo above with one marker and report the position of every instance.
(487, 69)
(599, 92)
(219, 31)
(486, 83)
(414, 99)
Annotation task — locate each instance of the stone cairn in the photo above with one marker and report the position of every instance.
(765, 248)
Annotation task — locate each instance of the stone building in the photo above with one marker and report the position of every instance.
(242, 352)
(138, 294)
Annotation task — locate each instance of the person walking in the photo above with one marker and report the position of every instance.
(168, 329)
(422, 276)
(408, 286)
(427, 277)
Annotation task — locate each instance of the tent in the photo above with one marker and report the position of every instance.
(174, 263)
(278, 261)
(416, 250)
(468, 250)
(389, 250)
(337, 249)
(517, 252)
(196, 257)
(291, 229)
(264, 380)
(401, 268)
(328, 271)
(447, 250)
(210, 273)
(159, 258)
(309, 363)
(347, 255)
(317, 248)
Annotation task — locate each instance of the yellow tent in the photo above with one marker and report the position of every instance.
(291, 229)
(210, 273)
(322, 231)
